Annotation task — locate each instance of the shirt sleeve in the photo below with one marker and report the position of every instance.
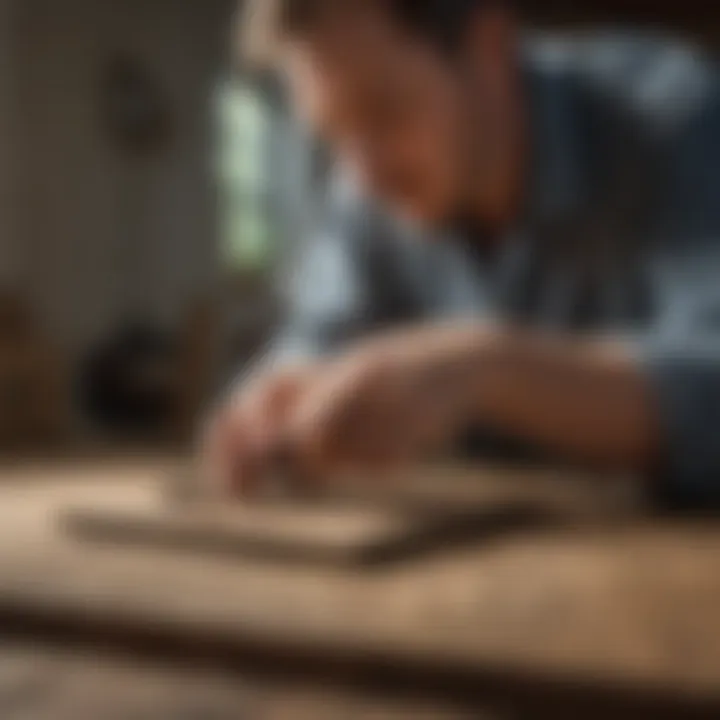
(346, 282)
(681, 354)
(682, 364)
(327, 298)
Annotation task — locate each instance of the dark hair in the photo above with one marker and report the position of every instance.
(269, 22)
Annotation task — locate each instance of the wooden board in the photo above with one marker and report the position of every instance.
(453, 489)
(357, 521)
(363, 535)
(283, 533)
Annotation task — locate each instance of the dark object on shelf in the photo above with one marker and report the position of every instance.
(125, 386)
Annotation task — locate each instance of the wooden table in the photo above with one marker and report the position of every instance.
(40, 683)
(579, 618)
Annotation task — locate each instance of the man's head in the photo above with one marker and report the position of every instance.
(413, 94)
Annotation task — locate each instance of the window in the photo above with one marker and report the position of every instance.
(249, 235)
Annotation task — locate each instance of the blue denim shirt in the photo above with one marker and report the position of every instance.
(620, 233)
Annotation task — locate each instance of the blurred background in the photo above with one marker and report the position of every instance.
(151, 193)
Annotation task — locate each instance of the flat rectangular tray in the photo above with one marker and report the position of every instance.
(284, 532)
(356, 522)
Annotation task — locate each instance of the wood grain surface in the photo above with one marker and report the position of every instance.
(616, 604)
(41, 683)
(355, 521)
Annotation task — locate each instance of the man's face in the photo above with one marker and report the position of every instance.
(391, 107)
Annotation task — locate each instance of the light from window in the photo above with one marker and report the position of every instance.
(248, 237)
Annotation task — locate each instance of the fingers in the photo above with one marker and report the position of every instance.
(219, 447)
(240, 439)
(351, 420)
(369, 415)
(365, 411)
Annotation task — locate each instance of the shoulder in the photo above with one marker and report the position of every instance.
(660, 81)
(646, 110)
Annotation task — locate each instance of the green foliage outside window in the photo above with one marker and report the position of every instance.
(248, 237)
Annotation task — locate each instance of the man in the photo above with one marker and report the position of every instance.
(524, 246)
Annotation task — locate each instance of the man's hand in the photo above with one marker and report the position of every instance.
(393, 399)
(385, 402)
(237, 441)
(388, 402)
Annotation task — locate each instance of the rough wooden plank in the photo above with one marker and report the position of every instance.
(358, 521)
(633, 604)
(343, 535)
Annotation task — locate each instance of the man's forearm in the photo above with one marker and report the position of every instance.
(587, 399)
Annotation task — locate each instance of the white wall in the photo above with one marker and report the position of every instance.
(92, 232)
